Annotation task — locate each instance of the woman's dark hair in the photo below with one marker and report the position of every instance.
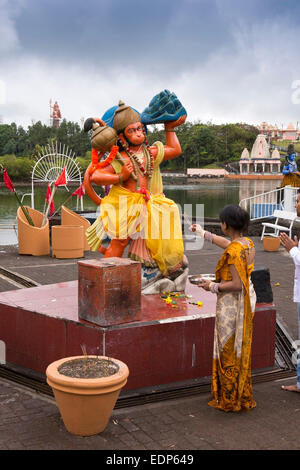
(236, 217)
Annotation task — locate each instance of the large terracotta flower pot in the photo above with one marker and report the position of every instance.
(271, 243)
(85, 404)
(32, 240)
(69, 217)
(67, 241)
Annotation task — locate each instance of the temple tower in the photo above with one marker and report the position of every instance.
(260, 161)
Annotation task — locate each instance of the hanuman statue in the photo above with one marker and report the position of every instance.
(135, 213)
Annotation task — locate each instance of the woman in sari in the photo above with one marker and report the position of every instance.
(231, 387)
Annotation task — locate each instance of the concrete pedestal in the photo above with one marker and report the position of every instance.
(41, 324)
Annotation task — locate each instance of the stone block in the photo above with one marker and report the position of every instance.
(109, 291)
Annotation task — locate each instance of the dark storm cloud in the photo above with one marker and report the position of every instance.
(106, 28)
(121, 32)
(168, 34)
(227, 60)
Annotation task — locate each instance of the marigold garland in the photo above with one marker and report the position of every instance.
(148, 171)
(95, 159)
(149, 160)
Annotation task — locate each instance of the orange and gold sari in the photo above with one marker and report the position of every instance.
(231, 375)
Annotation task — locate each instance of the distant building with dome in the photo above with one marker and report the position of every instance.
(274, 132)
(260, 160)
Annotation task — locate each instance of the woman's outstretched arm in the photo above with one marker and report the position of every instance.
(217, 240)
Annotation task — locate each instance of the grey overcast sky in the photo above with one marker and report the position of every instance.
(227, 60)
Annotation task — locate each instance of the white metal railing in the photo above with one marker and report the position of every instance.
(263, 205)
(26, 194)
(7, 226)
(8, 233)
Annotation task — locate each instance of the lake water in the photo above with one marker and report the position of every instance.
(212, 194)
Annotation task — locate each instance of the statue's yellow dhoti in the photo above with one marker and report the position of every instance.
(141, 216)
(150, 219)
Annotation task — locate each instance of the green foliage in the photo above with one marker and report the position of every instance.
(208, 144)
(202, 144)
(286, 143)
(26, 143)
(19, 169)
(83, 163)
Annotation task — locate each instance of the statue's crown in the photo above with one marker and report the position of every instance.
(124, 115)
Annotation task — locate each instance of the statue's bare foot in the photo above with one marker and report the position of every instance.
(290, 388)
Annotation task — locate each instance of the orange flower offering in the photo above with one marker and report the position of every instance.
(95, 159)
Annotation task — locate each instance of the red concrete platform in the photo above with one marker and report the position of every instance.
(40, 325)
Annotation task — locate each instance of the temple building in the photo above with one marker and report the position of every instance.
(290, 133)
(260, 160)
(273, 132)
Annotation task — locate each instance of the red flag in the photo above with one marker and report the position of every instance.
(61, 180)
(48, 196)
(7, 181)
(79, 191)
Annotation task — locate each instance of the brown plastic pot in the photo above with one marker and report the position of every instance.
(271, 243)
(69, 217)
(32, 240)
(86, 405)
(67, 241)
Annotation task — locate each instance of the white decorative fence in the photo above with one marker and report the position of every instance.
(263, 205)
(51, 161)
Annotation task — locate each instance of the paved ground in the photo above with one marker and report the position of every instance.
(31, 421)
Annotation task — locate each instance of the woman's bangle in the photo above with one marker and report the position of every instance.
(120, 179)
(208, 236)
(214, 287)
(170, 130)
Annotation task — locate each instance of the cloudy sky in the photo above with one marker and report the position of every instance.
(227, 60)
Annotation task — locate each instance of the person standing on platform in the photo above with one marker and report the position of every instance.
(293, 248)
(231, 387)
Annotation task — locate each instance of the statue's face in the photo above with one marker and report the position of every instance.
(135, 133)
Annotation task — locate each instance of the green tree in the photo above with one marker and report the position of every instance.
(202, 143)
(10, 146)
